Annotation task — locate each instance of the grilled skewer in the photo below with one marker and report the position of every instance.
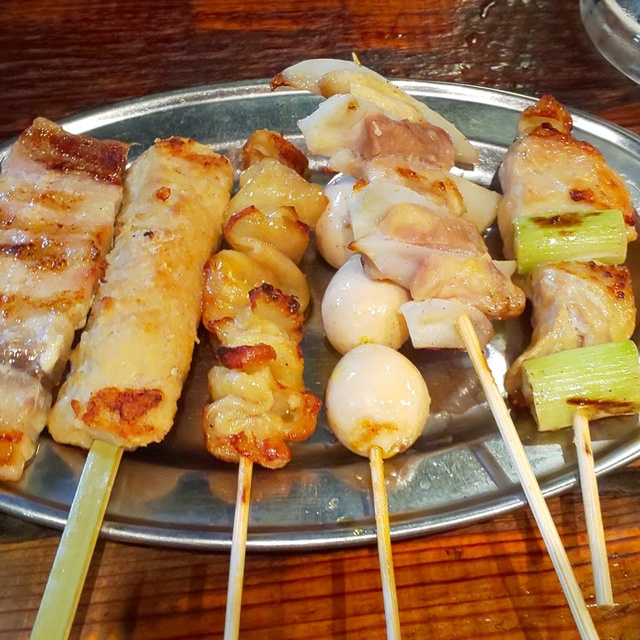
(354, 123)
(560, 192)
(254, 302)
(59, 195)
(128, 369)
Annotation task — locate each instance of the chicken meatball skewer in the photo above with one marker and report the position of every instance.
(129, 367)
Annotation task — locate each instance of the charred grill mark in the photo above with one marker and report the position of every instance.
(246, 357)
(43, 257)
(608, 406)
(616, 277)
(289, 304)
(13, 304)
(10, 440)
(183, 148)
(58, 150)
(582, 195)
(163, 193)
(272, 453)
(564, 222)
(127, 405)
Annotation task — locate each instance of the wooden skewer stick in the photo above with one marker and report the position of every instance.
(238, 550)
(71, 564)
(528, 481)
(593, 515)
(381, 508)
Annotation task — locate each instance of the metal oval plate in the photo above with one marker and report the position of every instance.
(176, 494)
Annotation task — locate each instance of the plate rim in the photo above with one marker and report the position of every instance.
(14, 504)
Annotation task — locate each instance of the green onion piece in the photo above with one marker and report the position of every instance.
(588, 235)
(602, 380)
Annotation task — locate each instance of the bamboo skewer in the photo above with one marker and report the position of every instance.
(593, 514)
(73, 557)
(529, 482)
(387, 576)
(238, 550)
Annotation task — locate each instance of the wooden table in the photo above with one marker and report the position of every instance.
(492, 579)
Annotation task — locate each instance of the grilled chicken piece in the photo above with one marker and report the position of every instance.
(263, 144)
(258, 397)
(547, 170)
(330, 78)
(575, 304)
(460, 196)
(352, 131)
(253, 307)
(59, 195)
(435, 255)
(128, 370)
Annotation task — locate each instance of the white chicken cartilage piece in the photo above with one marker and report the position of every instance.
(370, 204)
(59, 195)
(357, 309)
(333, 229)
(549, 171)
(435, 273)
(128, 370)
(459, 195)
(329, 77)
(432, 323)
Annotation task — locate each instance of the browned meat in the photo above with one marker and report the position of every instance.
(550, 171)
(575, 304)
(59, 195)
(253, 307)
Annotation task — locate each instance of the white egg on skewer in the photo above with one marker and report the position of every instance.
(377, 404)
(357, 309)
(376, 397)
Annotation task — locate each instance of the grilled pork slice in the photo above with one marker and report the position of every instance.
(59, 195)
(129, 367)
(253, 306)
(547, 170)
(575, 304)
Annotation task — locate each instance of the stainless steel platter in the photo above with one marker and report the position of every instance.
(176, 494)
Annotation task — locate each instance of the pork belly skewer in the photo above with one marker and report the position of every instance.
(128, 370)
(253, 306)
(59, 195)
(583, 304)
(342, 140)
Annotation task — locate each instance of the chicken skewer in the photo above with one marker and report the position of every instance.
(377, 406)
(253, 307)
(578, 303)
(59, 195)
(396, 236)
(129, 367)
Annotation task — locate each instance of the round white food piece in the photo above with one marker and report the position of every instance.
(356, 309)
(333, 231)
(376, 397)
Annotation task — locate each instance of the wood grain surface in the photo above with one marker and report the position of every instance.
(490, 580)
